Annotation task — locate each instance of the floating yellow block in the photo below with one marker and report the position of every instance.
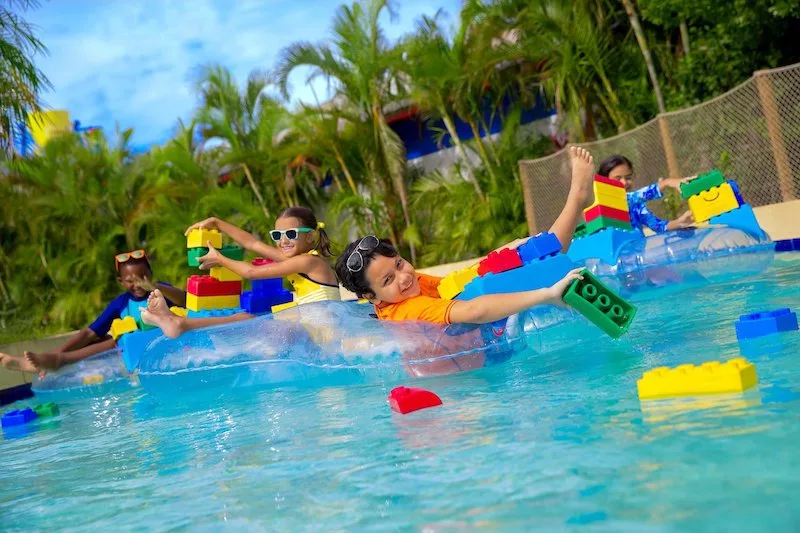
(198, 303)
(223, 274)
(198, 238)
(121, 326)
(713, 202)
(736, 375)
(453, 284)
(93, 379)
(609, 196)
(281, 307)
(180, 311)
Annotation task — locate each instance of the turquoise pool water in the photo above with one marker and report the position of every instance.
(556, 442)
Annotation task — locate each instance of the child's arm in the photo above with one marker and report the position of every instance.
(491, 307)
(240, 237)
(294, 265)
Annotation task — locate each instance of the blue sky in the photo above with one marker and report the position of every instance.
(130, 62)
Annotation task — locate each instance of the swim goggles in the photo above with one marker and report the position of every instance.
(127, 256)
(291, 234)
(356, 261)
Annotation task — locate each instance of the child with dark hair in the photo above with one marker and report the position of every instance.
(372, 269)
(618, 167)
(299, 256)
(134, 273)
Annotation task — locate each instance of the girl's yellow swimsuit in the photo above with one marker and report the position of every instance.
(307, 290)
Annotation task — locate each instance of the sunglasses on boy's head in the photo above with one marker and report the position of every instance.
(291, 234)
(356, 261)
(127, 256)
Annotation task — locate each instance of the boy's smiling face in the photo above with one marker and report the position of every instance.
(130, 273)
(392, 279)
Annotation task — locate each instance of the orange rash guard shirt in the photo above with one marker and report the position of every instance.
(428, 305)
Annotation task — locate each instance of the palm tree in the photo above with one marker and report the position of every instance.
(20, 81)
(648, 59)
(360, 63)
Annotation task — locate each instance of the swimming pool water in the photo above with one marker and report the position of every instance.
(555, 442)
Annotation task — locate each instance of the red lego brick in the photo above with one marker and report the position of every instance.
(496, 262)
(208, 286)
(608, 212)
(608, 181)
(405, 400)
(260, 261)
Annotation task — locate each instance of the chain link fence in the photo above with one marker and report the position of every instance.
(751, 133)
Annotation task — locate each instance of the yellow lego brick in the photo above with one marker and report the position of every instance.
(609, 196)
(713, 202)
(198, 303)
(198, 238)
(736, 375)
(121, 326)
(453, 284)
(180, 311)
(223, 274)
(93, 379)
(281, 307)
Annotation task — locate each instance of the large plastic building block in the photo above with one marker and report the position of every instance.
(539, 247)
(196, 303)
(453, 284)
(133, 346)
(616, 201)
(406, 400)
(608, 181)
(223, 274)
(533, 275)
(736, 375)
(765, 323)
(282, 307)
(608, 212)
(604, 245)
(598, 303)
(580, 231)
(261, 261)
(736, 192)
(46, 410)
(180, 311)
(604, 222)
(206, 313)
(701, 183)
(267, 286)
(499, 261)
(208, 286)
(257, 303)
(200, 237)
(742, 218)
(713, 202)
(121, 326)
(17, 417)
(94, 379)
(230, 251)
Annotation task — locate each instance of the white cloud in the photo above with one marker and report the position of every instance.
(130, 62)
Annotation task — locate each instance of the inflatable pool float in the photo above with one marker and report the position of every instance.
(95, 376)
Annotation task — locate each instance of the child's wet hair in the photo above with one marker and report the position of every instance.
(356, 282)
(309, 220)
(611, 162)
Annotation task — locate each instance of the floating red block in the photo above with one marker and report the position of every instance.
(208, 286)
(260, 261)
(496, 262)
(608, 181)
(608, 212)
(406, 400)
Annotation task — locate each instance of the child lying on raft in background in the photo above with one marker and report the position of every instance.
(302, 246)
(134, 273)
(372, 269)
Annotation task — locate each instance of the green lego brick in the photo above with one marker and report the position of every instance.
(580, 231)
(605, 222)
(231, 251)
(703, 182)
(47, 409)
(602, 306)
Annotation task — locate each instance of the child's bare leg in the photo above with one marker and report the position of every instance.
(580, 190)
(158, 314)
(55, 360)
(15, 362)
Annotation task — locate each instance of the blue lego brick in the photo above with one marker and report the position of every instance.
(257, 303)
(269, 286)
(17, 417)
(604, 245)
(539, 247)
(207, 313)
(534, 275)
(765, 323)
(132, 345)
(743, 219)
(736, 192)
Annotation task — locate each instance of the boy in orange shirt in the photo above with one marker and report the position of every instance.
(373, 269)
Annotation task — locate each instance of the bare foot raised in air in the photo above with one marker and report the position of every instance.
(158, 314)
(45, 360)
(13, 362)
(582, 174)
